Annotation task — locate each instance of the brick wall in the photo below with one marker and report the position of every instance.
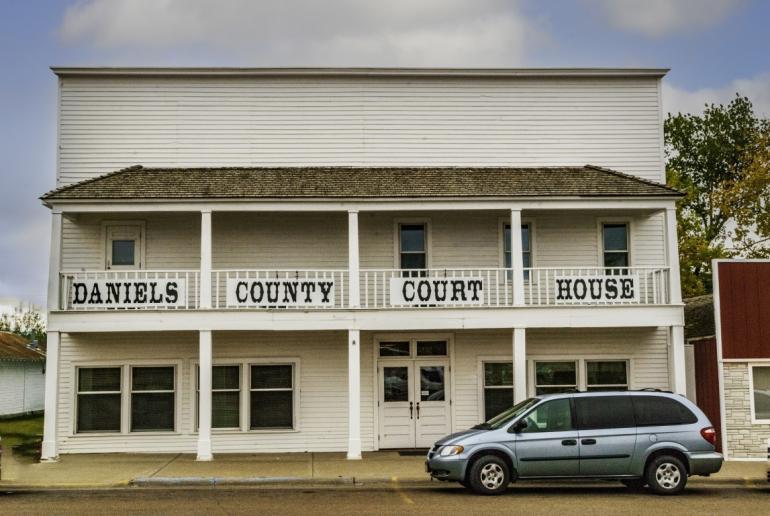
(744, 440)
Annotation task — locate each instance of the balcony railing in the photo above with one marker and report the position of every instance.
(379, 288)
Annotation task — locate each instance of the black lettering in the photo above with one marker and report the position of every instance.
(326, 288)
(439, 289)
(423, 294)
(611, 284)
(113, 293)
(458, 289)
(563, 290)
(238, 297)
(96, 295)
(81, 293)
(407, 298)
(476, 287)
(272, 291)
(153, 299)
(583, 288)
(627, 288)
(257, 298)
(172, 294)
(596, 293)
(290, 291)
(127, 299)
(141, 292)
(307, 288)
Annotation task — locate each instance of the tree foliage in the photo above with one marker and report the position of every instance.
(720, 160)
(28, 324)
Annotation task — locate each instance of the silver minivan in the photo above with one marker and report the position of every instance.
(642, 438)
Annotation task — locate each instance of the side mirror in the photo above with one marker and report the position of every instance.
(519, 425)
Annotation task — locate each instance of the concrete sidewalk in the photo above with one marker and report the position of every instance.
(111, 470)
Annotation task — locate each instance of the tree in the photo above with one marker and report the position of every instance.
(28, 324)
(720, 160)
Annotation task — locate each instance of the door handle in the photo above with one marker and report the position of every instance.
(418, 410)
(569, 442)
(411, 409)
(588, 441)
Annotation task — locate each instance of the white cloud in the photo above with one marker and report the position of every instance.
(757, 89)
(656, 18)
(332, 32)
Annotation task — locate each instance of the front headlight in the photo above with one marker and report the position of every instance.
(446, 451)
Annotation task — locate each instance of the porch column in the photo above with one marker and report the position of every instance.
(354, 293)
(54, 264)
(354, 394)
(519, 365)
(205, 281)
(204, 397)
(517, 261)
(49, 450)
(677, 369)
(672, 258)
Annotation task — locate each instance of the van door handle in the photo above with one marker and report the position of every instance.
(569, 442)
(588, 441)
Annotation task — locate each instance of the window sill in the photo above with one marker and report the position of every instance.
(123, 434)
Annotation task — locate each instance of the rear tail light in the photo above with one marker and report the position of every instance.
(709, 434)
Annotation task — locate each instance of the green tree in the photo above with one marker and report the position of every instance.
(720, 160)
(28, 324)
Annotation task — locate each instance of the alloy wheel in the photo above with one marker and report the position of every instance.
(492, 476)
(668, 475)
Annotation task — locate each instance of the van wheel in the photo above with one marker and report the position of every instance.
(489, 475)
(666, 475)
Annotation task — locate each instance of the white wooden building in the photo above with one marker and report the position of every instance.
(331, 249)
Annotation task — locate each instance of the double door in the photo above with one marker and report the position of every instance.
(413, 402)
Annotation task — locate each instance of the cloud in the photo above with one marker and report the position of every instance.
(333, 32)
(757, 89)
(657, 18)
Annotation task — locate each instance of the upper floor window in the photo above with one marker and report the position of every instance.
(526, 247)
(124, 245)
(615, 244)
(412, 244)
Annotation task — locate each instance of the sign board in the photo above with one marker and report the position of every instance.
(280, 292)
(436, 291)
(597, 289)
(128, 293)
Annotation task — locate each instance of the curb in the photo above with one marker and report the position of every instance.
(235, 481)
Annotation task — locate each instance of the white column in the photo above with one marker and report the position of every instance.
(354, 394)
(519, 365)
(517, 261)
(204, 398)
(54, 263)
(672, 257)
(49, 451)
(678, 371)
(354, 293)
(205, 281)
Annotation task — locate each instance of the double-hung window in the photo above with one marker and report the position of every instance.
(760, 395)
(272, 396)
(498, 388)
(413, 255)
(526, 247)
(152, 398)
(225, 396)
(556, 376)
(98, 399)
(606, 375)
(615, 246)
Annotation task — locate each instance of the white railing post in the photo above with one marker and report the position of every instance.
(672, 258)
(205, 279)
(204, 395)
(519, 365)
(54, 264)
(354, 293)
(517, 260)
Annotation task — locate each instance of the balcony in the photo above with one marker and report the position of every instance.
(330, 289)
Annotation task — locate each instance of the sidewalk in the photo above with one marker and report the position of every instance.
(111, 470)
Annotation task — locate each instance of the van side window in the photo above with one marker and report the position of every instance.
(661, 411)
(551, 416)
(604, 412)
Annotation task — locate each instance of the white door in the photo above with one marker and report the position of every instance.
(414, 403)
(124, 246)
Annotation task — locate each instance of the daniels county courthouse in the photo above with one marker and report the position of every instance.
(290, 260)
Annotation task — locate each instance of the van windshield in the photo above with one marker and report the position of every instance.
(503, 418)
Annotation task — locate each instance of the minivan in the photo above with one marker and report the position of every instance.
(641, 438)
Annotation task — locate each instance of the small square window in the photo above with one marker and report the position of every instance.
(123, 252)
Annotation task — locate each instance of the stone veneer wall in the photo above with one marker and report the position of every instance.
(744, 440)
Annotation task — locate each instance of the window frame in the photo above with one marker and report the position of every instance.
(483, 386)
(397, 223)
(600, 223)
(130, 393)
(503, 221)
(295, 388)
(589, 386)
(752, 405)
(78, 393)
(107, 247)
(576, 386)
(196, 395)
(582, 371)
(412, 340)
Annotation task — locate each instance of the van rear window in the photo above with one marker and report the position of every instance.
(661, 411)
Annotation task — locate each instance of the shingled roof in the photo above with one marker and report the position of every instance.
(14, 347)
(138, 182)
(699, 317)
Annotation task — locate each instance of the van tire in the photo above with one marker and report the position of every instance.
(489, 475)
(666, 475)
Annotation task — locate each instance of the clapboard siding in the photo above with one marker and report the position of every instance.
(319, 240)
(21, 386)
(646, 348)
(110, 123)
(322, 389)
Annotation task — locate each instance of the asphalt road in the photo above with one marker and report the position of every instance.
(527, 499)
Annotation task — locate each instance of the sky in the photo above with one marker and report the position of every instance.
(714, 48)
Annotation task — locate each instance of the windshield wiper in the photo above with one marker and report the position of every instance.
(482, 426)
